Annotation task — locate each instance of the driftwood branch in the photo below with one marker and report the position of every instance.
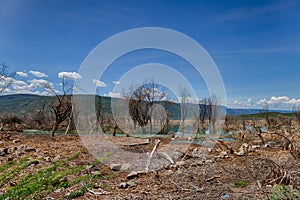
(167, 157)
(151, 155)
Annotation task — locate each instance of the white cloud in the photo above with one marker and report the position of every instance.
(42, 83)
(116, 82)
(38, 74)
(281, 102)
(69, 75)
(99, 83)
(22, 74)
(21, 85)
(275, 102)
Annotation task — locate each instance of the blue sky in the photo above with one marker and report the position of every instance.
(255, 44)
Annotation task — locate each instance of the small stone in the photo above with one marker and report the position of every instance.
(48, 159)
(241, 153)
(95, 173)
(3, 151)
(12, 149)
(56, 158)
(123, 185)
(88, 167)
(131, 184)
(132, 175)
(1, 143)
(180, 163)
(222, 154)
(64, 179)
(16, 141)
(58, 190)
(209, 149)
(36, 162)
(30, 149)
(116, 167)
(125, 167)
(208, 161)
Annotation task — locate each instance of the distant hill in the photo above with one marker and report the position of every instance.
(23, 103)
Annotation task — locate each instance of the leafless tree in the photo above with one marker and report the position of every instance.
(40, 116)
(201, 114)
(61, 106)
(5, 78)
(141, 104)
(296, 112)
(184, 94)
(266, 112)
(213, 110)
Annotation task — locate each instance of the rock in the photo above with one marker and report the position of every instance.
(123, 185)
(64, 179)
(58, 190)
(3, 151)
(222, 154)
(241, 152)
(1, 143)
(209, 150)
(254, 147)
(131, 183)
(132, 175)
(244, 149)
(30, 149)
(180, 163)
(47, 159)
(88, 167)
(12, 149)
(116, 167)
(56, 158)
(208, 161)
(16, 141)
(36, 162)
(95, 173)
(125, 167)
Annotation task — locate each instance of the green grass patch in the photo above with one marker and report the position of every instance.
(38, 184)
(241, 184)
(284, 192)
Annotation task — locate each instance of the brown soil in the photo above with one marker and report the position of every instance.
(194, 178)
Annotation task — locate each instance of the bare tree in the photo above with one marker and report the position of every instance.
(212, 110)
(266, 112)
(141, 103)
(201, 114)
(5, 78)
(40, 117)
(184, 94)
(296, 112)
(61, 106)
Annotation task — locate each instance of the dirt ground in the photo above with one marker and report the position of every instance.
(221, 174)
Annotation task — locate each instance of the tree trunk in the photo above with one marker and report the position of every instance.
(115, 130)
(54, 129)
(68, 127)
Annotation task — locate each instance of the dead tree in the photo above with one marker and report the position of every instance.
(61, 106)
(201, 114)
(296, 112)
(5, 78)
(212, 110)
(141, 104)
(266, 113)
(40, 116)
(184, 94)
